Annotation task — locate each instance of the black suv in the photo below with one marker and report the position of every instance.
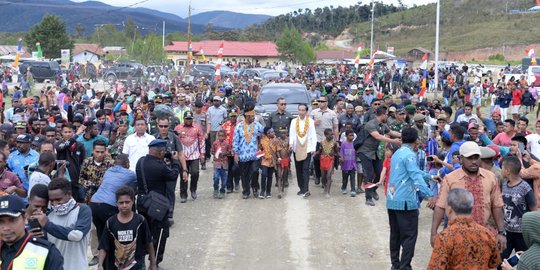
(123, 71)
(41, 70)
(209, 71)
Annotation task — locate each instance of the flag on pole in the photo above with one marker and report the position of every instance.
(202, 55)
(530, 52)
(190, 53)
(39, 51)
(424, 77)
(219, 61)
(358, 54)
(18, 55)
(370, 66)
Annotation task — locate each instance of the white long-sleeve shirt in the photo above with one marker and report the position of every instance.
(311, 136)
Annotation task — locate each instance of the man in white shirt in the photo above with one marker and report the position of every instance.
(467, 115)
(136, 144)
(47, 162)
(533, 141)
(303, 142)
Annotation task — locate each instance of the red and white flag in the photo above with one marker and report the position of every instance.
(370, 66)
(219, 61)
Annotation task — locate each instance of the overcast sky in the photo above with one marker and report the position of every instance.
(274, 7)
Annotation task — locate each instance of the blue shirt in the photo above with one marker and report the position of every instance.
(246, 151)
(453, 148)
(490, 124)
(17, 161)
(406, 179)
(89, 144)
(113, 179)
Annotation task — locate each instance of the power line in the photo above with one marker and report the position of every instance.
(271, 7)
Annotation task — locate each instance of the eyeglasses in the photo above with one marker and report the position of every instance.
(283, 104)
(376, 104)
(322, 101)
(163, 126)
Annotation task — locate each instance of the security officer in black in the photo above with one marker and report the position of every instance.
(173, 145)
(20, 249)
(157, 170)
(281, 118)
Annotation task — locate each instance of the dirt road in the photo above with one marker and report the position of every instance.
(289, 233)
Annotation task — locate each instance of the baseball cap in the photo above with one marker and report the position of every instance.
(358, 109)
(419, 117)
(5, 127)
(468, 149)
(216, 98)
(188, 115)
(441, 116)
(11, 205)
(21, 124)
(157, 143)
(233, 112)
(486, 152)
(24, 138)
(354, 87)
(392, 109)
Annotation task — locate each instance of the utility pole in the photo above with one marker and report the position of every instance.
(437, 47)
(163, 40)
(372, 21)
(188, 64)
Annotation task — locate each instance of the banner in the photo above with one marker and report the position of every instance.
(65, 56)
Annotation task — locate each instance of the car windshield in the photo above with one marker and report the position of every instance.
(275, 74)
(291, 95)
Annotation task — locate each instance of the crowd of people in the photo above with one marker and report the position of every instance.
(77, 161)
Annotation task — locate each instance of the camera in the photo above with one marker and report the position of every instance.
(61, 162)
(429, 159)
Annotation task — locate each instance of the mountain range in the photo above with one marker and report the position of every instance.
(20, 15)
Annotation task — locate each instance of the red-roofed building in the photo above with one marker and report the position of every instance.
(233, 51)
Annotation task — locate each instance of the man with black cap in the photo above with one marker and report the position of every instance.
(233, 176)
(199, 118)
(18, 247)
(22, 157)
(193, 143)
(152, 175)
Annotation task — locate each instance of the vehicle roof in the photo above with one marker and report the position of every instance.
(284, 85)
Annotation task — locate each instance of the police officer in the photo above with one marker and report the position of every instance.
(157, 174)
(19, 249)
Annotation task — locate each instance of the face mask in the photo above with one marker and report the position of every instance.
(63, 209)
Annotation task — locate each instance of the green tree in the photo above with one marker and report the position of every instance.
(109, 35)
(293, 48)
(147, 50)
(52, 34)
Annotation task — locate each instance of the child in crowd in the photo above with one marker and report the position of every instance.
(385, 173)
(127, 238)
(518, 198)
(267, 163)
(220, 149)
(328, 151)
(343, 136)
(348, 164)
(283, 159)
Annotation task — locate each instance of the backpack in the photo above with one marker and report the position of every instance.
(361, 136)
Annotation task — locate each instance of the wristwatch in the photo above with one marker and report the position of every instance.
(503, 233)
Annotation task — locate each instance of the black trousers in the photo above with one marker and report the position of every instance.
(316, 163)
(372, 170)
(266, 180)
(514, 241)
(160, 233)
(233, 174)
(302, 173)
(403, 234)
(100, 213)
(247, 169)
(171, 187)
(193, 170)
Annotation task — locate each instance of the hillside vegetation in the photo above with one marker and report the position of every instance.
(465, 24)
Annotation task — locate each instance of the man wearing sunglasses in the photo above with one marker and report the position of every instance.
(281, 117)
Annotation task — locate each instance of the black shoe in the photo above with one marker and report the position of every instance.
(360, 190)
(299, 193)
(370, 202)
(245, 196)
(307, 194)
(203, 166)
(317, 180)
(375, 195)
(94, 261)
(183, 200)
(229, 190)
(255, 193)
(171, 222)
(286, 184)
(194, 195)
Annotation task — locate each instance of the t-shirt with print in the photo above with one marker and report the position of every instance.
(516, 201)
(125, 233)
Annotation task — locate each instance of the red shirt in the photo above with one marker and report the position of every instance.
(228, 127)
(9, 179)
(386, 164)
(516, 97)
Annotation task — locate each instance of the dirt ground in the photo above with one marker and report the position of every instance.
(289, 233)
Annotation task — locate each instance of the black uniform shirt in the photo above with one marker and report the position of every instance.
(54, 261)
